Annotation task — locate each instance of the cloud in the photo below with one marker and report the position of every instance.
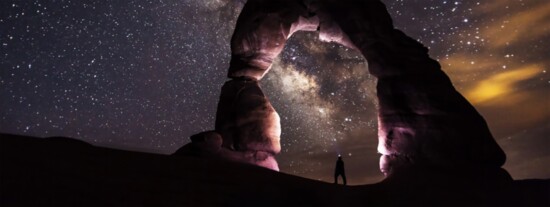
(519, 90)
(505, 72)
(501, 84)
(529, 23)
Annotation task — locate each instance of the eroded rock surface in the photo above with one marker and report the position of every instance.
(261, 33)
(247, 127)
(245, 118)
(209, 145)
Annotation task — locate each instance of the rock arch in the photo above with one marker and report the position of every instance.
(422, 119)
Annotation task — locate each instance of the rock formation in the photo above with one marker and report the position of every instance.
(209, 144)
(247, 123)
(261, 33)
(422, 119)
(246, 119)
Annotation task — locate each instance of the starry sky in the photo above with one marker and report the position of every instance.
(144, 75)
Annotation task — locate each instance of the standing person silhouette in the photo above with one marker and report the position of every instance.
(339, 170)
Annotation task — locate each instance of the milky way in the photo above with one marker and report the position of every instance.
(145, 75)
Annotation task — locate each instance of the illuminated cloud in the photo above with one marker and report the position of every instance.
(463, 64)
(466, 70)
(500, 84)
(498, 74)
(531, 23)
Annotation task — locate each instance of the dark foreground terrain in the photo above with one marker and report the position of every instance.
(68, 172)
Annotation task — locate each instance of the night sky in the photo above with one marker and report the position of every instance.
(144, 75)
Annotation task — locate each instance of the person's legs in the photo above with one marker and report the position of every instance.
(335, 178)
(344, 178)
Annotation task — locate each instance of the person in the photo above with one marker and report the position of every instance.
(339, 171)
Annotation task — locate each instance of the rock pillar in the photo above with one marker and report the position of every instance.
(247, 124)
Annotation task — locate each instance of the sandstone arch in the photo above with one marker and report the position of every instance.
(422, 119)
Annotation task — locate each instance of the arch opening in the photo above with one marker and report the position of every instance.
(326, 99)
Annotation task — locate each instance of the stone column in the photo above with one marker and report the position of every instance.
(246, 122)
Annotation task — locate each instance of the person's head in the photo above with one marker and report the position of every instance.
(339, 157)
